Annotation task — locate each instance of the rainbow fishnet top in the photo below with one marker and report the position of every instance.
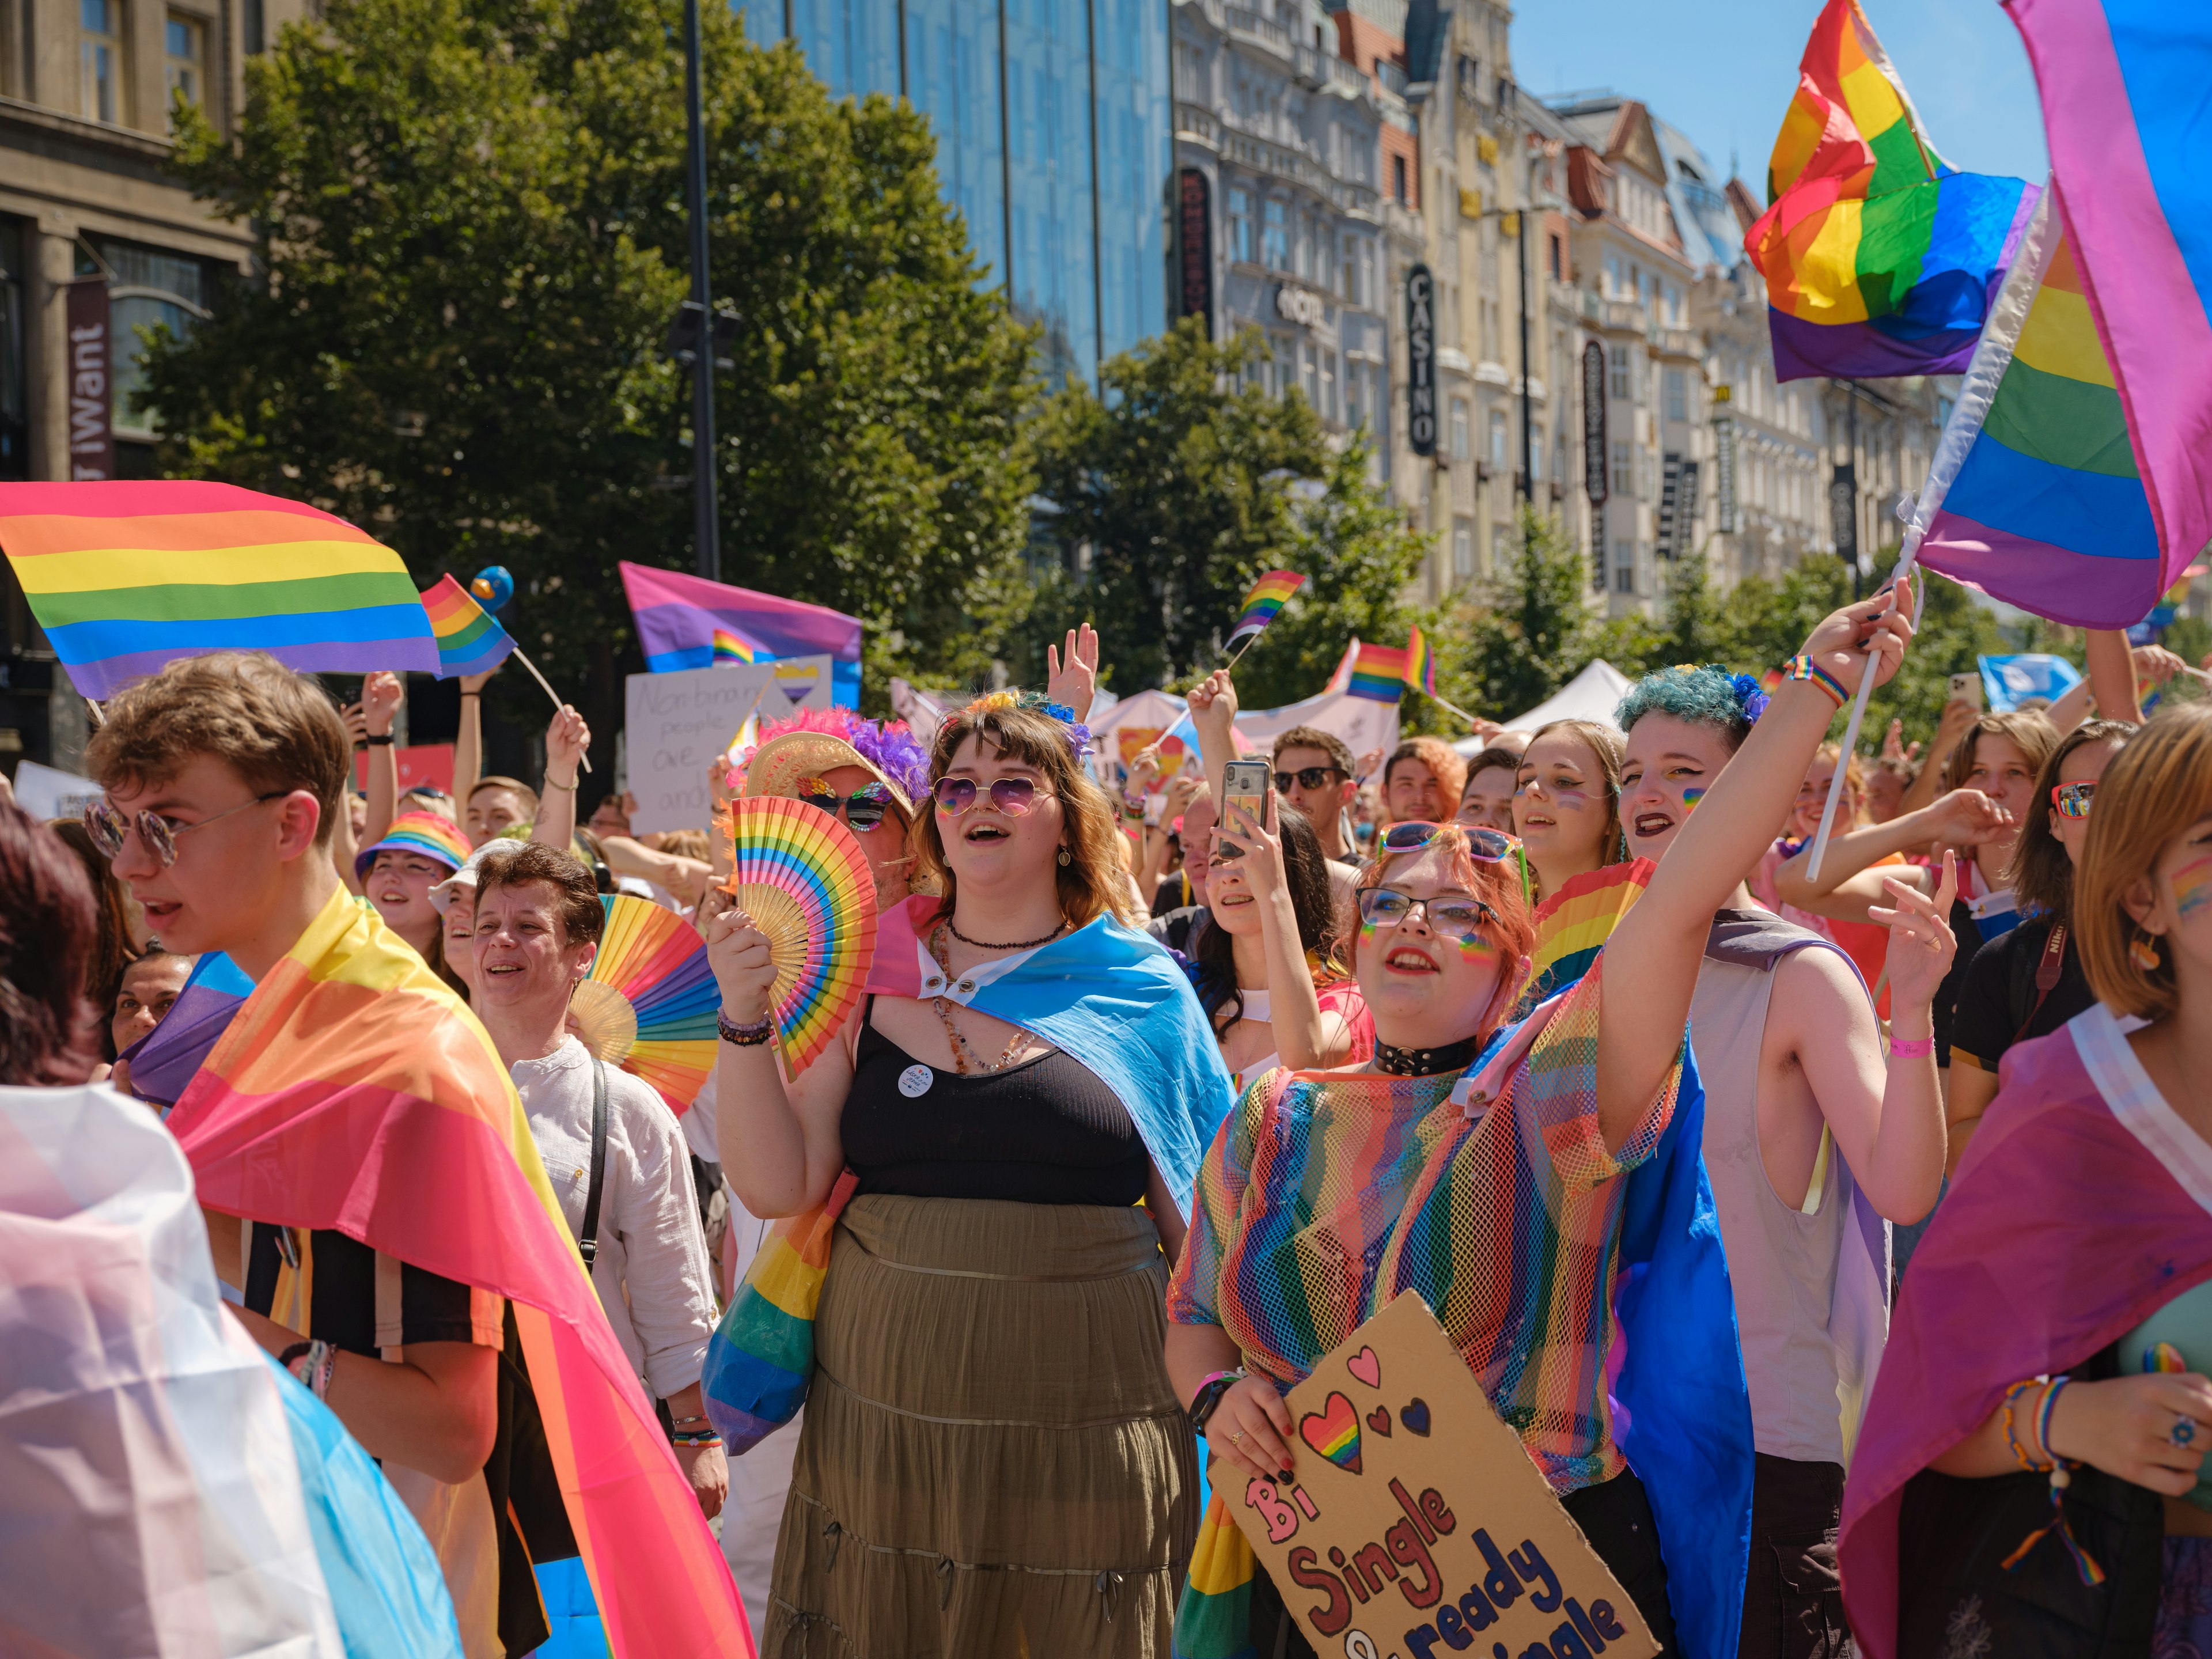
(1326, 1193)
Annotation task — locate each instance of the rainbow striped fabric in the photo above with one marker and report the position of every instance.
(2123, 91)
(1573, 925)
(350, 1042)
(1880, 257)
(730, 645)
(1268, 595)
(470, 642)
(679, 614)
(1379, 676)
(427, 832)
(762, 1356)
(1420, 664)
(127, 577)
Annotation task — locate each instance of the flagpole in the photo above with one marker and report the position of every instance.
(585, 761)
(1472, 722)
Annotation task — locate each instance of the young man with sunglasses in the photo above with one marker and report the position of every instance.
(1313, 773)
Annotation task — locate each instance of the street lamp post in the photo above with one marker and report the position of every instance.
(705, 533)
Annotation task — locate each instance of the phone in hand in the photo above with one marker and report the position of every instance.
(1244, 783)
(1966, 688)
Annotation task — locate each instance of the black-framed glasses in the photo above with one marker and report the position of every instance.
(2072, 800)
(864, 808)
(1455, 918)
(1308, 777)
(107, 827)
(1012, 796)
(1486, 846)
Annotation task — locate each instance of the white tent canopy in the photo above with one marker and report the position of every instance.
(1592, 694)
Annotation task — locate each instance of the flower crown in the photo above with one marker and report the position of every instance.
(1078, 734)
(1750, 695)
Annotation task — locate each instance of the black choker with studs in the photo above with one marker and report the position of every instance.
(1426, 1062)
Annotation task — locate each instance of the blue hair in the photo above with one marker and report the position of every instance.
(1709, 695)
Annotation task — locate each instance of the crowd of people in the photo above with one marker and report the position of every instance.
(1154, 1099)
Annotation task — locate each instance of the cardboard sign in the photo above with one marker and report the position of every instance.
(1418, 1526)
(676, 722)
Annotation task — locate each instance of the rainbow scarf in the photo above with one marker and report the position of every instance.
(429, 834)
(1573, 925)
(351, 1059)
(1880, 257)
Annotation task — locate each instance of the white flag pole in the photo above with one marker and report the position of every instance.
(583, 760)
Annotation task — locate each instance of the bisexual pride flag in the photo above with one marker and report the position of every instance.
(1880, 257)
(468, 641)
(1268, 596)
(688, 621)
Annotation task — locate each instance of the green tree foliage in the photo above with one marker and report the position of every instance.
(1530, 630)
(471, 236)
(1174, 487)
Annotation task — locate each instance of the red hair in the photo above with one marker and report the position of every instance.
(1498, 883)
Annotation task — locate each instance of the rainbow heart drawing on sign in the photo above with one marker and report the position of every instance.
(1334, 1431)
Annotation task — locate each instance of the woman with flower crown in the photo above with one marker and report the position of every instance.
(993, 1460)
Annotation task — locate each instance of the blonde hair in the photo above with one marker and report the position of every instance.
(2158, 786)
(1092, 883)
(1604, 743)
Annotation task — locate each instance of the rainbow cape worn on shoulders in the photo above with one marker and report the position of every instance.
(2084, 1206)
(1108, 995)
(1573, 925)
(354, 1090)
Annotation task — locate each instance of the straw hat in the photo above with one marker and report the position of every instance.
(778, 765)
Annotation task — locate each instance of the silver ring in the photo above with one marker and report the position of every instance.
(2184, 1430)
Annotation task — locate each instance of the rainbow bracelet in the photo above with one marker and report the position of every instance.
(1802, 667)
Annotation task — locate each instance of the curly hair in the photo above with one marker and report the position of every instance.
(1709, 695)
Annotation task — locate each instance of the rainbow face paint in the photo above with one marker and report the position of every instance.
(2193, 888)
(1690, 799)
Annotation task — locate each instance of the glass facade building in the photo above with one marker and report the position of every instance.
(1053, 141)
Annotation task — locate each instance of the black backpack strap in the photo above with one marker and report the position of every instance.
(587, 1243)
(2048, 968)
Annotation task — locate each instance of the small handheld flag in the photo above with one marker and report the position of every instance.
(1421, 674)
(1379, 676)
(1268, 596)
(468, 641)
(730, 645)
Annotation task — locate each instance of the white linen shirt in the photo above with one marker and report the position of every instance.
(652, 1273)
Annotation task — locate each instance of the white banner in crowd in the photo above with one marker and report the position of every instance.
(45, 793)
(675, 723)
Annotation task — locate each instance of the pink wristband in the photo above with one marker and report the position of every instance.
(1910, 1049)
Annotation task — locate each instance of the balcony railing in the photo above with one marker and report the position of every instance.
(1195, 123)
(1244, 24)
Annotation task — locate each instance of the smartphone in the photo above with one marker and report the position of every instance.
(1966, 688)
(1245, 783)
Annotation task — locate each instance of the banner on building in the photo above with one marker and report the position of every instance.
(1421, 360)
(1194, 240)
(1724, 472)
(92, 381)
(1593, 424)
(1678, 508)
(1686, 510)
(1670, 481)
(1843, 513)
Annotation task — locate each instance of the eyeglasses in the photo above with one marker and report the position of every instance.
(864, 808)
(1308, 777)
(1012, 796)
(2072, 800)
(1458, 920)
(1486, 846)
(108, 827)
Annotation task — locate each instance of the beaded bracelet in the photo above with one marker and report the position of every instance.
(2012, 1433)
(745, 1036)
(1802, 667)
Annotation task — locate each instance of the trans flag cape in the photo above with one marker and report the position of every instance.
(164, 1489)
(1880, 257)
(1111, 996)
(352, 1062)
(162, 1062)
(2084, 1206)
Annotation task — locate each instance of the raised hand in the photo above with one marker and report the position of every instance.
(566, 739)
(1213, 706)
(381, 694)
(1261, 865)
(476, 682)
(1874, 631)
(1921, 944)
(743, 970)
(1895, 747)
(356, 724)
(1071, 672)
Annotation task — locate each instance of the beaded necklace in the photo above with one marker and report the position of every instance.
(965, 1060)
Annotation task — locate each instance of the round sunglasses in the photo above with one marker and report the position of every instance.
(1457, 919)
(2072, 800)
(1012, 796)
(864, 808)
(108, 827)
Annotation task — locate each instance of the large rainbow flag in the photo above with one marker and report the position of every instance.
(1573, 925)
(351, 1060)
(470, 642)
(127, 577)
(1880, 257)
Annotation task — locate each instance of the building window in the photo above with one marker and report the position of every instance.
(1623, 386)
(1624, 471)
(1559, 262)
(1348, 284)
(149, 289)
(1275, 236)
(1310, 354)
(1501, 545)
(184, 45)
(99, 34)
(1536, 452)
(1328, 384)
(1240, 225)
(1397, 174)
(1462, 549)
(14, 388)
(1462, 441)
(1678, 395)
(1498, 437)
(1624, 567)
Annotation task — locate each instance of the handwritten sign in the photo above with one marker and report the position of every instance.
(678, 722)
(1418, 1526)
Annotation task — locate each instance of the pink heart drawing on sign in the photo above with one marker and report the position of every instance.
(1366, 1367)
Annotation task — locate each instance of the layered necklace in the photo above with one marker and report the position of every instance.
(965, 1060)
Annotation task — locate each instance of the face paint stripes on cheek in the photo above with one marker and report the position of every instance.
(1690, 799)
(2192, 888)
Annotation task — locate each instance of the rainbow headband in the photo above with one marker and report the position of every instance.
(1078, 735)
(425, 833)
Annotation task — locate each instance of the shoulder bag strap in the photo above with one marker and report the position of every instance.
(588, 1243)
(2047, 970)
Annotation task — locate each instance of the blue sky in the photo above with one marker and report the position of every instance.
(1723, 70)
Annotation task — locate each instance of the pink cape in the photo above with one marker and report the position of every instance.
(2082, 1207)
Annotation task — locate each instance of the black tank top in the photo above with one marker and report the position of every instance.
(1045, 1132)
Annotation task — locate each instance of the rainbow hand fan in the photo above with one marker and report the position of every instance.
(798, 874)
(648, 1005)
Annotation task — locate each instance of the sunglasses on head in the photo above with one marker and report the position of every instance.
(1485, 845)
(1308, 777)
(864, 808)
(107, 827)
(1012, 796)
(2072, 800)
(1455, 918)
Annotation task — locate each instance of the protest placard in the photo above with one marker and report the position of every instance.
(45, 791)
(1418, 1526)
(676, 722)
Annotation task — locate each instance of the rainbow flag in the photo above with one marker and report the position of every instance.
(1573, 925)
(1420, 664)
(468, 641)
(127, 577)
(1268, 595)
(1379, 675)
(1213, 1619)
(2034, 496)
(351, 1045)
(2123, 86)
(730, 645)
(1880, 257)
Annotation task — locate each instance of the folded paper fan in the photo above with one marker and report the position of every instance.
(798, 874)
(648, 1005)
